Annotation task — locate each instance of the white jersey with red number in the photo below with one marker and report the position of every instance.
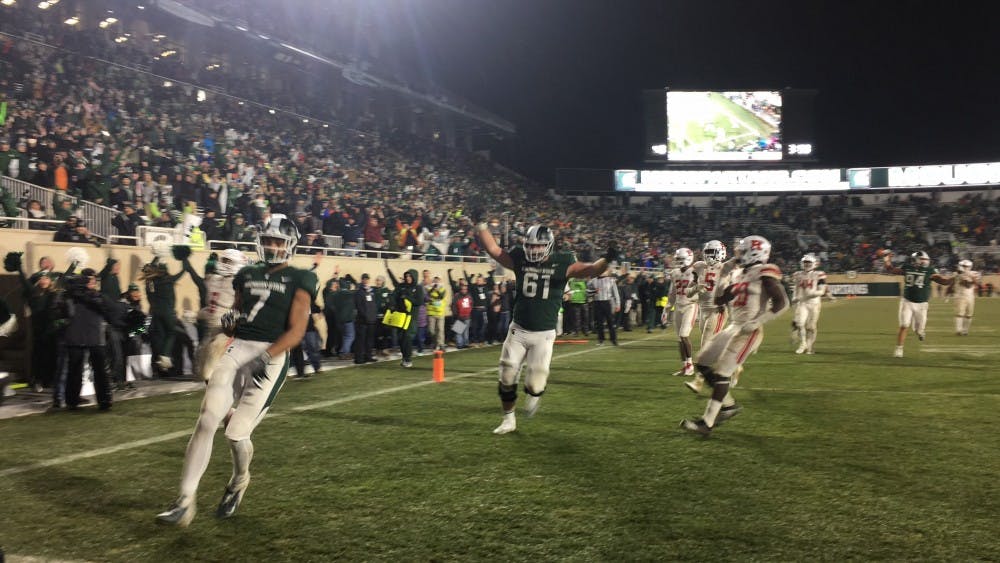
(715, 278)
(220, 295)
(681, 280)
(965, 285)
(749, 299)
(808, 285)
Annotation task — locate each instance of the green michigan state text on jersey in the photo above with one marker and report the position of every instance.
(266, 299)
(539, 289)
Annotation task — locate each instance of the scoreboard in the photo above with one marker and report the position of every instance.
(729, 126)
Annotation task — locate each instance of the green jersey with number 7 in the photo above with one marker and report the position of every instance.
(266, 299)
(540, 289)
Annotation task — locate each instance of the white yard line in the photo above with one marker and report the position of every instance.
(300, 408)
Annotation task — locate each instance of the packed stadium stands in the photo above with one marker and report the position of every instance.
(84, 118)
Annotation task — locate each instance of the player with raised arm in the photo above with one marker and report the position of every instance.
(808, 288)
(269, 317)
(755, 297)
(217, 298)
(966, 283)
(540, 278)
(685, 284)
(917, 277)
(715, 272)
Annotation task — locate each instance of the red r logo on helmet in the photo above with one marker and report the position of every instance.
(755, 245)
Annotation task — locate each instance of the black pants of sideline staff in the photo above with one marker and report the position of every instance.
(74, 376)
(603, 316)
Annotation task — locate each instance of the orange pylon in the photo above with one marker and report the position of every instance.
(438, 366)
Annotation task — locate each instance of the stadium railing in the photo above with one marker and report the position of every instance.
(26, 222)
(97, 217)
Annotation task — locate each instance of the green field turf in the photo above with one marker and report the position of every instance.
(849, 454)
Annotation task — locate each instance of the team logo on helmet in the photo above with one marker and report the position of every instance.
(538, 243)
(753, 249)
(281, 229)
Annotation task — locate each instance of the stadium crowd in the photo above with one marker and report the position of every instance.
(124, 139)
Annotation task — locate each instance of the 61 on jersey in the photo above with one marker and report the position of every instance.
(532, 281)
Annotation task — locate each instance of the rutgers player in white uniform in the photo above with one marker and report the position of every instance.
(755, 296)
(715, 273)
(965, 296)
(684, 288)
(809, 286)
(219, 295)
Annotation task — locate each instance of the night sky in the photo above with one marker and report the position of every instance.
(899, 82)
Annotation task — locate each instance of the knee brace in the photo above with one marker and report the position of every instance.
(508, 393)
(706, 372)
(532, 393)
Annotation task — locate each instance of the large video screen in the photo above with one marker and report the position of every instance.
(718, 126)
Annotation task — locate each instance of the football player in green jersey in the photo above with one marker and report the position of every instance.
(917, 277)
(269, 317)
(541, 276)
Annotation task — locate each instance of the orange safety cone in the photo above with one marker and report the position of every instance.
(438, 366)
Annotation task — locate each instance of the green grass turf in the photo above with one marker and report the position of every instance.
(849, 454)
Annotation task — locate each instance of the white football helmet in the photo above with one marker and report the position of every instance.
(809, 262)
(277, 227)
(230, 262)
(753, 249)
(538, 243)
(683, 257)
(964, 266)
(921, 258)
(714, 252)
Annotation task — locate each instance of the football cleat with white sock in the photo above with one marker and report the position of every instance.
(509, 424)
(696, 426)
(180, 513)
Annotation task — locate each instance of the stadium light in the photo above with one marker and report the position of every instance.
(72, 20)
(43, 5)
(111, 20)
(167, 84)
(240, 102)
(141, 7)
(167, 53)
(103, 24)
(264, 37)
(200, 96)
(8, 2)
(326, 125)
(270, 111)
(121, 39)
(659, 149)
(305, 121)
(241, 28)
